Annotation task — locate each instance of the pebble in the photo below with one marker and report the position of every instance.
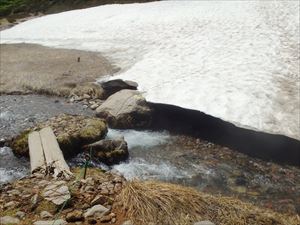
(9, 220)
(45, 215)
(20, 214)
(94, 106)
(86, 96)
(96, 211)
(89, 188)
(104, 191)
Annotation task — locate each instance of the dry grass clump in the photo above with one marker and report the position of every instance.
(170, 204)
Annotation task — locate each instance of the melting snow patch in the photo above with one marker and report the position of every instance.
(235, 60)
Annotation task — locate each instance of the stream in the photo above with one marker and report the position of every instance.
(165, 156)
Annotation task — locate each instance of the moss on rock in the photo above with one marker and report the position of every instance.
(72, 133)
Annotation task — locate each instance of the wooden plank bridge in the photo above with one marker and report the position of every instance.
(46, 155)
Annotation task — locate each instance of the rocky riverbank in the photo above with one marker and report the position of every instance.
(107, 198)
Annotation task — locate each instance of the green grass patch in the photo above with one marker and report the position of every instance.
(8, 7)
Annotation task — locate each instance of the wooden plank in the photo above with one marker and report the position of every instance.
(37, 159)
(53, 154)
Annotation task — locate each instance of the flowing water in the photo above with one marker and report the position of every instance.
(164, 156)
(208, 167)
(191, 162)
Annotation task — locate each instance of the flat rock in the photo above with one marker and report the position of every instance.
(57, 192)
(50, 222)
(96, 211)
(126, 109)
(9, 220)
(20, 214)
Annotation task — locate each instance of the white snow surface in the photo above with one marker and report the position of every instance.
(236, 60)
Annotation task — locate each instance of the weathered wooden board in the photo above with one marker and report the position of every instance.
(46, 154)
(37, 159)
(53, 154)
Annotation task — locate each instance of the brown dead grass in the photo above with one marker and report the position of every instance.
(28, 68)
(169, 204)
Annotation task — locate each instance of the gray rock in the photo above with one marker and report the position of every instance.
(206, 222)
(20, 214)
(113, 86)
(34, 200)
(126, 109)
(132, 84)
(94, 106)
(96, 211)
(9, 220)
(50, 222)
(86, 96)
(11, 204)
(109, 151)
(57, 192)
(46, 215)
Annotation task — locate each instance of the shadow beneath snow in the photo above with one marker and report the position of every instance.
(272, 147)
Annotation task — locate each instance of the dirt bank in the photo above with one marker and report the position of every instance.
(28, 68)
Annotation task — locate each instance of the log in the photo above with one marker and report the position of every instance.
(37, 159)
(53, 155)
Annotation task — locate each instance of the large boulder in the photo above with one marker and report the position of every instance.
(126, 109)
(72, 132)
(109, 151)
(114, 86)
